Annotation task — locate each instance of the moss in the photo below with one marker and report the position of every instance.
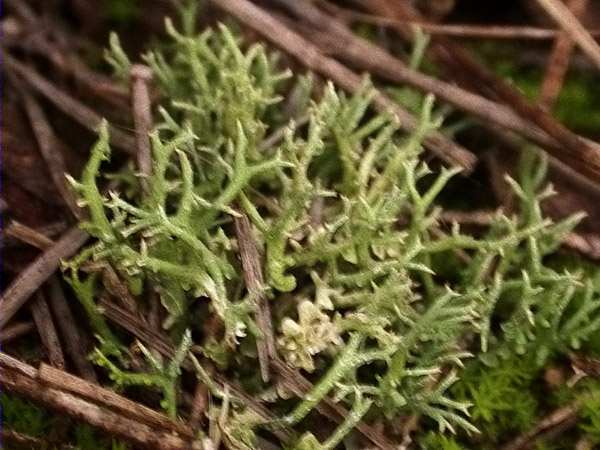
(590, 411)
(122, 12)
(577, 104)
(437, 441)
(504, 398)
(87, 438)
(24, 417)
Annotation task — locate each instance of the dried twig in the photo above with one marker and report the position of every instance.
(43, 236)
(51, 150)
(15, 330)
(577, 152)
(585, 365)
(334, 37)
(142, 118)
(586, 244)
(561, 415)
(253, 276)
(47, 331)
(113, 284)
(137, 326)
(558, 63)
(73, 108)
(18, 171)
(154, 314)
(68, 63)
(30, 279)
(307, 53)
(64, 60)
(454, 30)
(28, 235)
(495, 116)
(141, 76)
(23, 10)
(73, 340)
(22, 379)
(199, 405)
(69, 383)
(568, 21)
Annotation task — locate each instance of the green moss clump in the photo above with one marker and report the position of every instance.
(437, 441)
(590, 412)
(24, 417)
(504, 398)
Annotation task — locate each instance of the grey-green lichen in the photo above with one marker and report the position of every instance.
(345, 213)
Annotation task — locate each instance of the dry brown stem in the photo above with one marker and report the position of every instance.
(51, 149)
(333, 37)
(15, 331)
(510, 32)
(22, 379)
(558, 63)
(562, 415)
(47, 331)
(578, 153)
(74, 343)
(70, 106)
(142, 118)
(89, 391)
(28, 235)
(30, 279)
(566, 18)
(253, 277)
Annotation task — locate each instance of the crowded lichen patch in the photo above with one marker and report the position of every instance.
(344, 212)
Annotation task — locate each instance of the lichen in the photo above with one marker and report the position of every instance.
(345, 212)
